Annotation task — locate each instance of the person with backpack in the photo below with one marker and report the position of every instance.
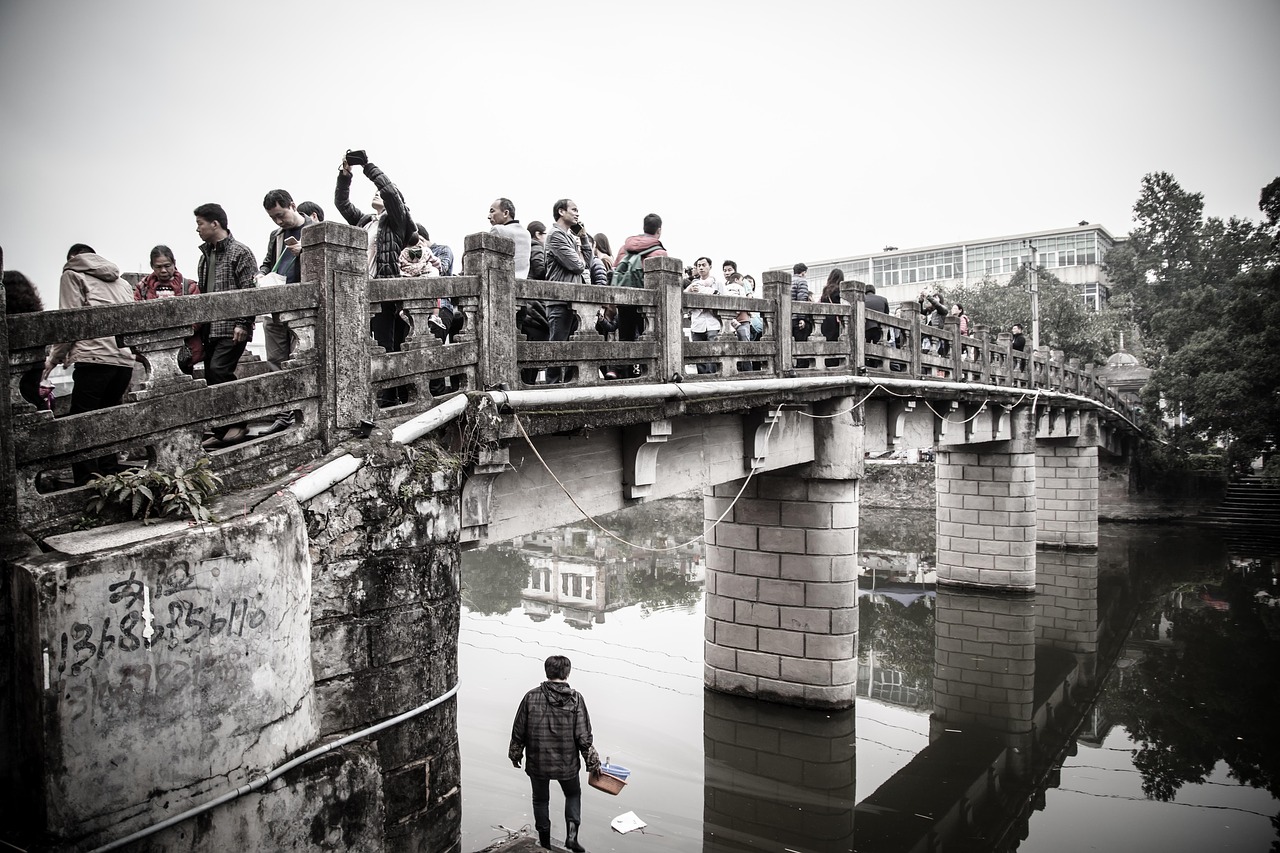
(628, 271)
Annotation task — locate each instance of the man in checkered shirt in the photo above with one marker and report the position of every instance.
(225, 264)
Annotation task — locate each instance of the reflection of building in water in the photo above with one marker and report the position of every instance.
(583, 574)
(893, 686)
(892, 587)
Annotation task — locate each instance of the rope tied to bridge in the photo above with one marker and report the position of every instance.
(777, 416)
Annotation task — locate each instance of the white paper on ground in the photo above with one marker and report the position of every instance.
(627, 822)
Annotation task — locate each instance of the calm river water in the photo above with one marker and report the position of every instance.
(1162, 738)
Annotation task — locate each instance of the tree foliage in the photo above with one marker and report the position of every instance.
(1186, 711)
(1171, 273)
(494, 579)
(1067, 323)
(1203, 292)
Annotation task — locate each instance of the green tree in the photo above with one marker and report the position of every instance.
(1170, 274)
(1204, 295)
(1219, 377)
(1067, 323)
(493, 579)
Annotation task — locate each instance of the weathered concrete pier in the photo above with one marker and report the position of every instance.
(151, 669)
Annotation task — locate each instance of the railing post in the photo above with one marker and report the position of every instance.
(777, 289)
(857, 329)
(951, 325)
(492, 258)
(336, 256)
(1004, 341)
(915, 344)
(663, 275)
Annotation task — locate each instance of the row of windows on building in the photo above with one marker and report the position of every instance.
(977, 261)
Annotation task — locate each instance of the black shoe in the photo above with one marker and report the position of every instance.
(571, 839)
(280, 424)
(544, 839)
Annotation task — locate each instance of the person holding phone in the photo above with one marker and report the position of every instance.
(281, 264)
(569, 254)
(390, 228)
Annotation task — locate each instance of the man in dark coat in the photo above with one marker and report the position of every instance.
(390, 228)
(551, 728)
(873, 302)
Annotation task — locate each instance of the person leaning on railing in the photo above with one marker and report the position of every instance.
(103, 370)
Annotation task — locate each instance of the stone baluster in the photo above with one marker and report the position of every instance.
(8, 466)
(20, 361)
(857, 297)
(158, 350)
(303, 325)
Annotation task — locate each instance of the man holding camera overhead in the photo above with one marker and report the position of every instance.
(390, 228)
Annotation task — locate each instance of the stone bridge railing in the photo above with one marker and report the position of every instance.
(337, 370)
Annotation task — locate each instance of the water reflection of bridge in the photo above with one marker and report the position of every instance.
(1013, 685)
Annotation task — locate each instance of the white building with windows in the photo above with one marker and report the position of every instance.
(1074, 255)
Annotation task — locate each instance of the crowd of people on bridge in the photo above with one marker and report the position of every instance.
(399, 246)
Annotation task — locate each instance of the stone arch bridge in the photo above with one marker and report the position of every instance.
(325, 601)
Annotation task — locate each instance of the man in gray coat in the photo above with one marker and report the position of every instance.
(569, 254)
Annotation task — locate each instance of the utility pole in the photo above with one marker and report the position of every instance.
(1033, 287)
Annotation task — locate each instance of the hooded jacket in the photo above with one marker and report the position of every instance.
(552, 727)
(89, 280)
(638, 243)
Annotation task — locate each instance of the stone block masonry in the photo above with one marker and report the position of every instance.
(1067, 494)
(984, 662)
(782, 611)
(986, 515)
(760, 757)
(175, 666)
(170, 665)
(385, 599)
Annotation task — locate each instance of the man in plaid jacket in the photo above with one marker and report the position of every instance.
(225, 264)
(551, 728)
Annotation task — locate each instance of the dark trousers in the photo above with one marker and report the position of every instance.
(706, 366)
(389, 330)
(97, 386)
(630, 328)
(572, 788)
(221, 355)
(559, 327)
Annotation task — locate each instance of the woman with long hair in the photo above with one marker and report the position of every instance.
(602, 261)
(831, 294)
(830, 324)
(21, 297)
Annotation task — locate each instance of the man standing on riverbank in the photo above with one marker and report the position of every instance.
(551, 728)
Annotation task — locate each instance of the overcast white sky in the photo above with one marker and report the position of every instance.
(765, 132)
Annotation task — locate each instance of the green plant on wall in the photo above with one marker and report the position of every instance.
(148, 494)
